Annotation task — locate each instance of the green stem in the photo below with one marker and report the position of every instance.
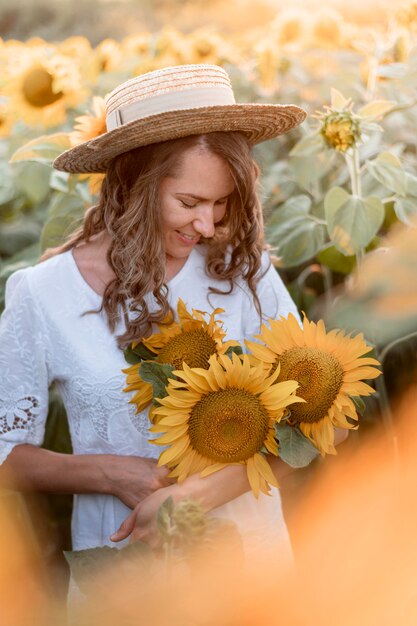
(353, 164)
(395, 343)
(352, 161)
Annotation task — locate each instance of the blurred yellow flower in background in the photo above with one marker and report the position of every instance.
(327, 29)
(91, 124)
(77, 47)
(6, 122)
(41, 86)
(270, 64)
(108, 55)
(171, 47)
(407, 16)
(290, 27)
(206, 46)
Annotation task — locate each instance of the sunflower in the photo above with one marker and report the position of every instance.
(329, 367)
(5, 121)
(92, 124)
(222, 415)
(191, 340)
(87, 127)
(41, 85)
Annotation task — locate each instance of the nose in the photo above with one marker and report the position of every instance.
(204, 220)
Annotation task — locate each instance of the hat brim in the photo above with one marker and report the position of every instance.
(258, 122)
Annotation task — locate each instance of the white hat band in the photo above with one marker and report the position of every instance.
(162, 103)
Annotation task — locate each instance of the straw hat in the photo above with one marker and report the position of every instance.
(175, 102)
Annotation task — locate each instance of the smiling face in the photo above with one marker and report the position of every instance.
(193, 200)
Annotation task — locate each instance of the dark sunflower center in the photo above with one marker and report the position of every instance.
(37, 88)
(228, 426)
(195, 347)
(320, 377)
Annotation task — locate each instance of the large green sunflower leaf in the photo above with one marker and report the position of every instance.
(295, 231)
(157, 375)
(405, 209)
(294, 448)
(335, 260)
(43, 149)
(352, 222)
(388, 170)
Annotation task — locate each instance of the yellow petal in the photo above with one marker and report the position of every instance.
(264, 469)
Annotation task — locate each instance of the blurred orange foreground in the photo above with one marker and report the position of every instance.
(356, 559)
(356, 556)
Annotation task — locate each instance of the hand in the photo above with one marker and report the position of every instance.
(132, 479)
(140, 525)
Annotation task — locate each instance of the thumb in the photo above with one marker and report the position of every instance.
(125, 528)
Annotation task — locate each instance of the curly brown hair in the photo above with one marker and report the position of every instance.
(128, 209)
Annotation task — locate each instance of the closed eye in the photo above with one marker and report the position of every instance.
(187, 206)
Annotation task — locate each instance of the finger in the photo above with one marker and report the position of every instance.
(125, 528)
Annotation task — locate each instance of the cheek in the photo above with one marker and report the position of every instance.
(171, 218)
(219, 213)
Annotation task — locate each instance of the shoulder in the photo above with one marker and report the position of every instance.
(36, 278)
(273, 294)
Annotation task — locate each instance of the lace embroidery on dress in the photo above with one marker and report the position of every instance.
(140, 421)
(98, 401)
(18, 411)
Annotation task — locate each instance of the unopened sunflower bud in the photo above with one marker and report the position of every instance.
(190, 520)
(340, 130)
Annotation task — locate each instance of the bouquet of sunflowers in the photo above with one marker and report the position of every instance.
(213, 405)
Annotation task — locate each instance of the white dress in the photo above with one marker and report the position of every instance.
(44, 338)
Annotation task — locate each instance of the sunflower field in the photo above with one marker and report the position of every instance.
(339, 196)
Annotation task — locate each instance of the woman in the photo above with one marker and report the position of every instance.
(178, 217)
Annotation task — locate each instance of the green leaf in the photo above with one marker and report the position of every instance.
(131, 357)
(377, 108)
(157, 375)
(311, 144)
(43, 149)
(338, 100)
(295, 232)
(307, 171)
(294, 448)
(335, 260)
(26, 257)
(387, 170)
(411, 180)
(59, 181)
(18, 235)
(65, 204)
(359, 404)
(405, 208)
(352, 222)
(234, 350)
(57, 229)
(138, 354)
(32, 179)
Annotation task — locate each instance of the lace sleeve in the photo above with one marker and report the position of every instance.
(24, 378)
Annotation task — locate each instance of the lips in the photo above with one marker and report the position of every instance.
(187, 239)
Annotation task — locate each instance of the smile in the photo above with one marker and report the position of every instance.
(187, 237)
